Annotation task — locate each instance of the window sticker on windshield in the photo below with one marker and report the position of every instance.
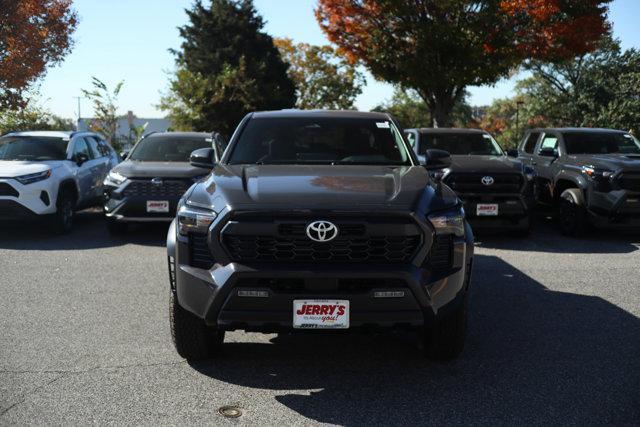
(383, 125)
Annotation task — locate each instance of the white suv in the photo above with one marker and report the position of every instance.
(52, 174)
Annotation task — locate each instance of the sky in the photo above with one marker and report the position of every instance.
(130, 40)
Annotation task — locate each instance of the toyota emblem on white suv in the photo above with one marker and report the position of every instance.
(487, 180)
(322, 231)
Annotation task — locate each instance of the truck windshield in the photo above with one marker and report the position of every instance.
(600, 143)
(466, 144)
(320, 140)
(30, 148)
(167, 148)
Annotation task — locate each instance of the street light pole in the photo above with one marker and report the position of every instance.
(518, 104)
(79, 114)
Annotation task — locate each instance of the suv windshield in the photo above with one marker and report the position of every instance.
(471, 144)
(600, 143)
(167, 148)
(320, 140)
(32, 148)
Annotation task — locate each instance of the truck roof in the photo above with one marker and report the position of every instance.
(450, 130)
(569, 129)
(320, 114)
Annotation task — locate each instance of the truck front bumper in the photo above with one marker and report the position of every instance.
(614, 209)
(420, 296)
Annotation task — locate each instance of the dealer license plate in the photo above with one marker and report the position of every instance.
(157, 206)
(487, 209)
(321, 314)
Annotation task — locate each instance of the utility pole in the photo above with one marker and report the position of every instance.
(79, 114)
(518, 104)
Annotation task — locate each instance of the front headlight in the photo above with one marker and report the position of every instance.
(596, 173)
(33, 177)
(449, 222)
(115, 179)
(192, 219)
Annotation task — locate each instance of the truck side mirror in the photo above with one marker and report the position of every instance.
(124, 154)
(437, 159)
(203, 158)
(512, 152)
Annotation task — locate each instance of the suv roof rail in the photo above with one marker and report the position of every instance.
(148, 134)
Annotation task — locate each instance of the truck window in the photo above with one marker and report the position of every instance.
(530, 143)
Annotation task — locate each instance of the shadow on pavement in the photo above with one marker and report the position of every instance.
(533, 356)
(89, 232)
(546, 237)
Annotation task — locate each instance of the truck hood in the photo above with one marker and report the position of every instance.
(609, 161)
(485, 164)
(136, 169)
(14, 168)
(313, 187)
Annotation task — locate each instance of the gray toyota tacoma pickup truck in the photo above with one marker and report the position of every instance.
(591, 176)
(318, 220)
(496, 189)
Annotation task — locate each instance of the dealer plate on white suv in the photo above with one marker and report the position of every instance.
(321, 314)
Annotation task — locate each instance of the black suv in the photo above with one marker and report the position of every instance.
(146, 187)
(496, 189)
(318, 220)
(592, 176)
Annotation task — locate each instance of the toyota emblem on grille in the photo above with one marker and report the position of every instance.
(156, 181)
(322, 231)
(487, 180)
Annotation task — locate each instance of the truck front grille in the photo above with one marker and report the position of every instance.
(171, 188)
(7, 190)
(361, 238)
(393, 249)
(464, 183)
(629, 181)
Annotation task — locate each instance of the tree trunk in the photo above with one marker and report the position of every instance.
(441, 104)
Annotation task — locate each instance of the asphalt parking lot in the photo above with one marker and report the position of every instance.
(554, 338)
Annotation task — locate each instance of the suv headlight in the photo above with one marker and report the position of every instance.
(192, 219)
(33, 177)
(449, 222)
(115, 179)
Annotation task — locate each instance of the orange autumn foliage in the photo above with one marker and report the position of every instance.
(35, 34)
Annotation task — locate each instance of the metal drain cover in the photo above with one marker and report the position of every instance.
(230, 411)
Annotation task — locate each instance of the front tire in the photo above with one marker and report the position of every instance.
(444, 341)
(572, 213)
(193, 339)
(62, 220)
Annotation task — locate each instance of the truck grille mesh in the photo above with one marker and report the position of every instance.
(173, 188)
(629, 181)
(472, 183)
(199, 253)
(440, 257)
(394, 249)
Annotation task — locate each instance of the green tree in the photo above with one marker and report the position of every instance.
(412, 112)
(105, 109)
(440, 47)
(601, 89)
(226, 67)
(323, 78)
(32, 117)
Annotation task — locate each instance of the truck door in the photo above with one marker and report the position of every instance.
(545, 155)
(527, 148)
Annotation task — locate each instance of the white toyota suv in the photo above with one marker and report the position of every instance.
(52, 174)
